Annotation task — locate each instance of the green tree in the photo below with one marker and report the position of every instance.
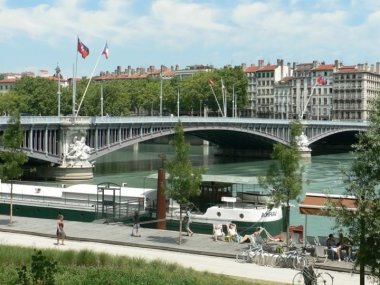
(284, 176)
(38, 94)
(362, 181)
(11, 156)
(184, 180)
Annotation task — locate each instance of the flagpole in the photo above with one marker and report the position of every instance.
(75, 78)
(88, 84)
(216, 99)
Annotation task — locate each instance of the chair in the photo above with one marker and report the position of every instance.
(218, 233)
(321, 252)
(311, 241)
(322, 240)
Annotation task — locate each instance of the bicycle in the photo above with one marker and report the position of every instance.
(302, 259)
(307, 276)
(297, 259)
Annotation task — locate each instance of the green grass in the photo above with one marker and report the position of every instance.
(86, 267)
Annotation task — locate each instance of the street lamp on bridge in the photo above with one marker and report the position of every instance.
(58, 74)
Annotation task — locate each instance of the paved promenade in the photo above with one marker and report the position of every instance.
(199, 251)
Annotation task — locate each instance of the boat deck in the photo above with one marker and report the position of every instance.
(120, 234)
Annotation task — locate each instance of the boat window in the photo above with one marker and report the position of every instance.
(241, 216)
(218, 214)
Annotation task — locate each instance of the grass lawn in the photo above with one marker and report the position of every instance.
(86, 267)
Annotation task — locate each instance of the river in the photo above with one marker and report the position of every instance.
(131, 165)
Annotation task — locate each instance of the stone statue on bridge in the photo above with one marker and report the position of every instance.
(78, 150)
(302, 142)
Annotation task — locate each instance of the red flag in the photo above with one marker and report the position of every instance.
(105, 51)
(320, 80)
(82, 49)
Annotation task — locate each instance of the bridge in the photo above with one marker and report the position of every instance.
(57, 139)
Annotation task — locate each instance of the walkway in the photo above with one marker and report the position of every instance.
(198, 251)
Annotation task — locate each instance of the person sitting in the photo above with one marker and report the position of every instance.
(217, 232)
(253, 238)
(232, 232)
(344, 244)
(331, 246)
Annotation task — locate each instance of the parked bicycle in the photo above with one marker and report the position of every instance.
(297, 259)
(309, 276)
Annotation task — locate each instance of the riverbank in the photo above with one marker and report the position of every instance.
(199, 251)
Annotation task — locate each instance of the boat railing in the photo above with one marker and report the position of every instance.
(48, 200)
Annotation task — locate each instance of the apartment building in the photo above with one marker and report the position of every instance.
(313, 90)
(282, 98)
(261, 83)
(354, 87)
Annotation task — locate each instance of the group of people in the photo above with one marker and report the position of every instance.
(254, 238)
(337, 247)
(219, 234)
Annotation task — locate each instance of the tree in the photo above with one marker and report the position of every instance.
(11, 156)
(284, 176)
(362, 181)
(184, 181)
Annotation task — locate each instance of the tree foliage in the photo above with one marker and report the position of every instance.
(184, 180)
(38, 96)
(284, 176)
(11, 156)
(362, 180)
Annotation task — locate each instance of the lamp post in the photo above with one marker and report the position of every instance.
(101, 99)
(200, 108)
(160, 94)
(58, 73)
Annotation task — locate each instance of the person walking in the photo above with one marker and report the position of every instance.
(60, 231)
(136, 224)
(187, 222)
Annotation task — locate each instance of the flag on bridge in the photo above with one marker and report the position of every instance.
(82, 49)
(105, 51)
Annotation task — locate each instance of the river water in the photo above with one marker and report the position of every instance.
(131, 165)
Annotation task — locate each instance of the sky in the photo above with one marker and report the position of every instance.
(37, 35)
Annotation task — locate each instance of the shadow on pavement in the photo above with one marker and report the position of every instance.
(166, 240)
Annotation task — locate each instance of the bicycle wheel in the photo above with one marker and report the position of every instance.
(298, 279)
(325, 278)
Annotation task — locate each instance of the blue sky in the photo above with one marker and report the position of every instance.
(37, 34)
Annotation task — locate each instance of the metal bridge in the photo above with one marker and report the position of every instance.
(48, 138)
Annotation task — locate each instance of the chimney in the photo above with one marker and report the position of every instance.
(260, 63)
(243, 65)
(372, 68)
(118, 70)
(378, 67)
(336, 64)
(366, 66)
(129, 70)
(176, 67)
